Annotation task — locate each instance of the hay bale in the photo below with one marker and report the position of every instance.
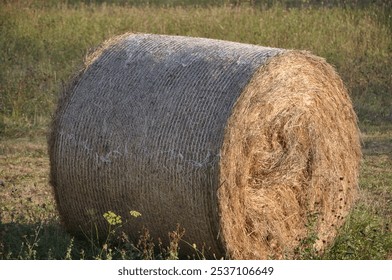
(250, 149)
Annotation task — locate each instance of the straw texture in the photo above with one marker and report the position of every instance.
(241, 145)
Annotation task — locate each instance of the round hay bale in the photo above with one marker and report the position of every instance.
(250, 149)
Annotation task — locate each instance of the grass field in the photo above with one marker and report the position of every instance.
(41, 46)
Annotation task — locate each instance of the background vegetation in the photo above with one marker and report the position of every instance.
(43, 42)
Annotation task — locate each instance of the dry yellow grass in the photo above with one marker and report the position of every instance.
(26, 195)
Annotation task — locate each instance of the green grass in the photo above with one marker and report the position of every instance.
(367, 233)
(41, 46)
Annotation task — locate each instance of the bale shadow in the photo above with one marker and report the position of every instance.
(41, 241)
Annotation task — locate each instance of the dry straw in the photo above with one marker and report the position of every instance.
(250, 149)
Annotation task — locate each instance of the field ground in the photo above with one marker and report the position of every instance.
(41, 45)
